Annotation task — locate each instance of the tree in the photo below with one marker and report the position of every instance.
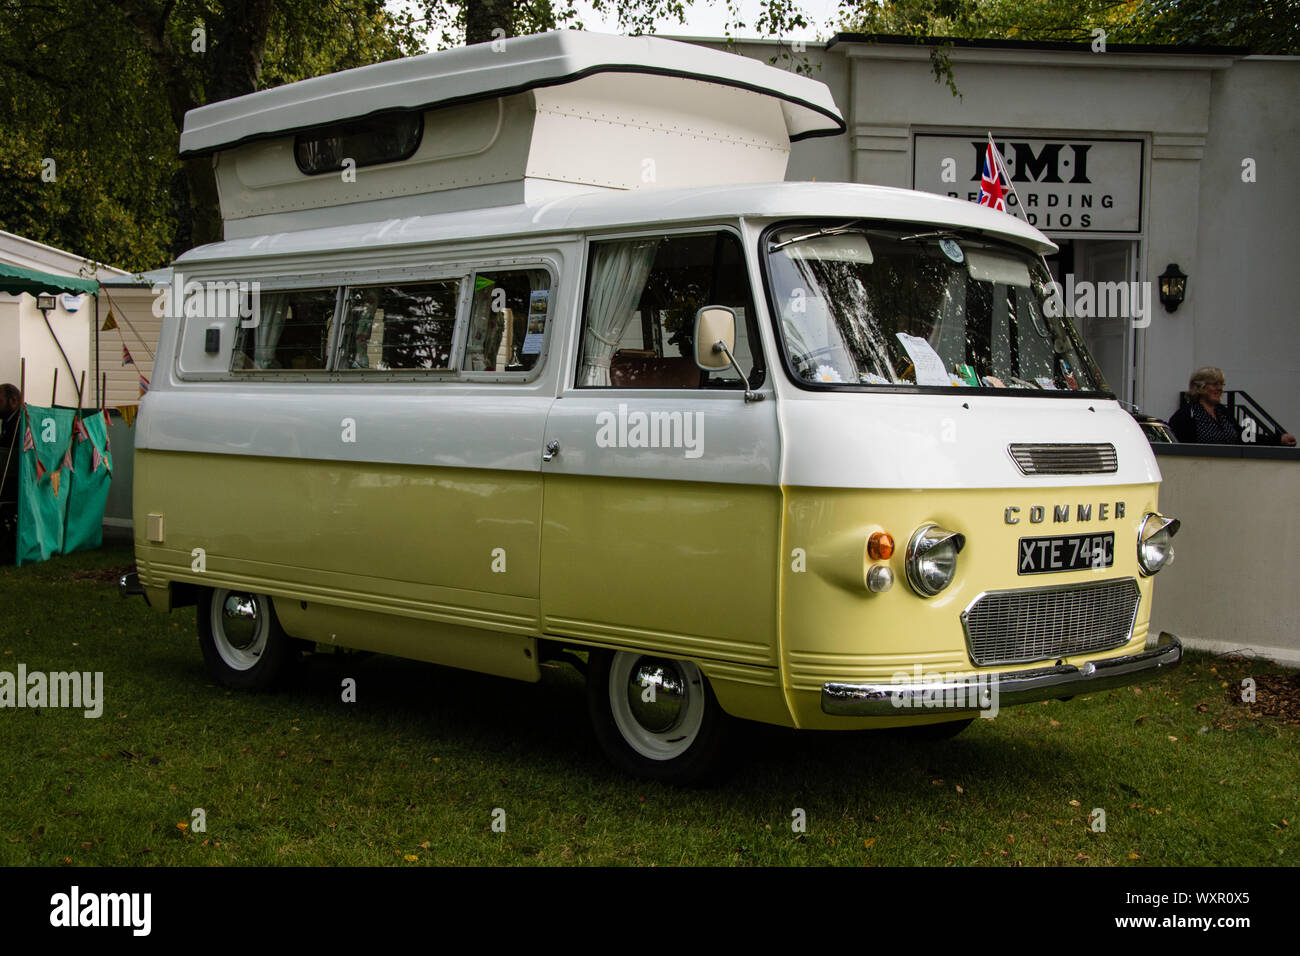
(102, 89)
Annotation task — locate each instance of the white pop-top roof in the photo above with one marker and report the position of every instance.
(481, 72)
(630, 210)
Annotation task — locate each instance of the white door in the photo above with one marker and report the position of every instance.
(1108, 337)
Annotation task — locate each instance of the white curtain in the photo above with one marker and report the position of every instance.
(270, 327)
(619, 271)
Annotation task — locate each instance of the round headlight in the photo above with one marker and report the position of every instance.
(1155, 544)
(932, 559)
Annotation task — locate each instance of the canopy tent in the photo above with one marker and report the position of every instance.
(17, 280)
(60, 462)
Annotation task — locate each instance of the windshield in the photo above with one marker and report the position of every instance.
(876, 304)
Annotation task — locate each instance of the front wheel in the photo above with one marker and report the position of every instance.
(656, 717)
(241, 639)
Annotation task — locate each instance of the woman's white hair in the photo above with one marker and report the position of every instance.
(1203, 376)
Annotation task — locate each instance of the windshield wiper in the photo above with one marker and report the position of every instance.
(929, 235)
(827, 231)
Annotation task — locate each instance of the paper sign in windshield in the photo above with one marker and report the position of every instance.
(930, 369)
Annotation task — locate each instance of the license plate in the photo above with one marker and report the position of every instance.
(1076, 552)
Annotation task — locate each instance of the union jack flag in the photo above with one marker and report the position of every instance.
(993, 184)
(144, 386)
(126, 357)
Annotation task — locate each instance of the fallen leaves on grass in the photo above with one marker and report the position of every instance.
(1276, 695)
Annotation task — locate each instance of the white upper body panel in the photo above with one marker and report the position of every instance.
(610, 211)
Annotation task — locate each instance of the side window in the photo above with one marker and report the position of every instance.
(642, 296)
(507, 320)
(292, 332)
(399, 328)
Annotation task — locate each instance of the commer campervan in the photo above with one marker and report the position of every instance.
(535, 357)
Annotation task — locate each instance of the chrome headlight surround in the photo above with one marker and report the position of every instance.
(931, 559)
(1155, 549)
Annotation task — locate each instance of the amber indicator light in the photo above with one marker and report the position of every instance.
(880, 546)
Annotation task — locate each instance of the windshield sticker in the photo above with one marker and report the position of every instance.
(827, 373)
(871, 378)
(930, 369)
(952, 250)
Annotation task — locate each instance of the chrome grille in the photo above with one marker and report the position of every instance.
(1042, 624)
(1048, 459)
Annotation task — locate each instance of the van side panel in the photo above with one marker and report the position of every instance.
(446, 546)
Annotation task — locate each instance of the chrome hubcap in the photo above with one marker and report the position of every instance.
(656, 694)
(241, 627)
(658, 704)
(239, 620)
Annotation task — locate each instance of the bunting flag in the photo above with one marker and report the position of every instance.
(109, 323)
(144, 386)
(128, 413)
(67, 461)
(54, 482)
(29, 443)
(126, 356)
(96, 459)
(79, 429)
(40, 469)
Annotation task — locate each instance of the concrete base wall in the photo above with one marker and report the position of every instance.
(1233, 584)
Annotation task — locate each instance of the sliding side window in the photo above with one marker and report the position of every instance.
(508, 319)
(399, 328)
(292, 332)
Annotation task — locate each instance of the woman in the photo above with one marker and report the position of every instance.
(1204, 420)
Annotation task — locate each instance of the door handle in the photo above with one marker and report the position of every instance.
(552, 449)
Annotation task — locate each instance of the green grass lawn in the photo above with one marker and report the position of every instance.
(411, 773)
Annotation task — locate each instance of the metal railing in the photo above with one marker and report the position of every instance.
(1258, 426)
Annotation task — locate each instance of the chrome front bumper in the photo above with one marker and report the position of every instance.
(927, 698)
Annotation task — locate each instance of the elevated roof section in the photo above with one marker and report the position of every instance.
(536, 118)
(478, 72)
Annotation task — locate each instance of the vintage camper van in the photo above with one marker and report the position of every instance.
(535, 357)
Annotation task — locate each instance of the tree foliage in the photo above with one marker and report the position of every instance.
(93, 93)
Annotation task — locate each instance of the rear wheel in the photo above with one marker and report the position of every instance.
(241, 639)
(656, 717)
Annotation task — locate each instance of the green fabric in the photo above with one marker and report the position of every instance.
(16, 280)
(68, 519)
(84, 528)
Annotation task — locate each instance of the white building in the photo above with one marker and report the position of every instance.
(1131, 160)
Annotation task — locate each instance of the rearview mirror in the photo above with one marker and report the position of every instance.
(715, 344)
(714, 324)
